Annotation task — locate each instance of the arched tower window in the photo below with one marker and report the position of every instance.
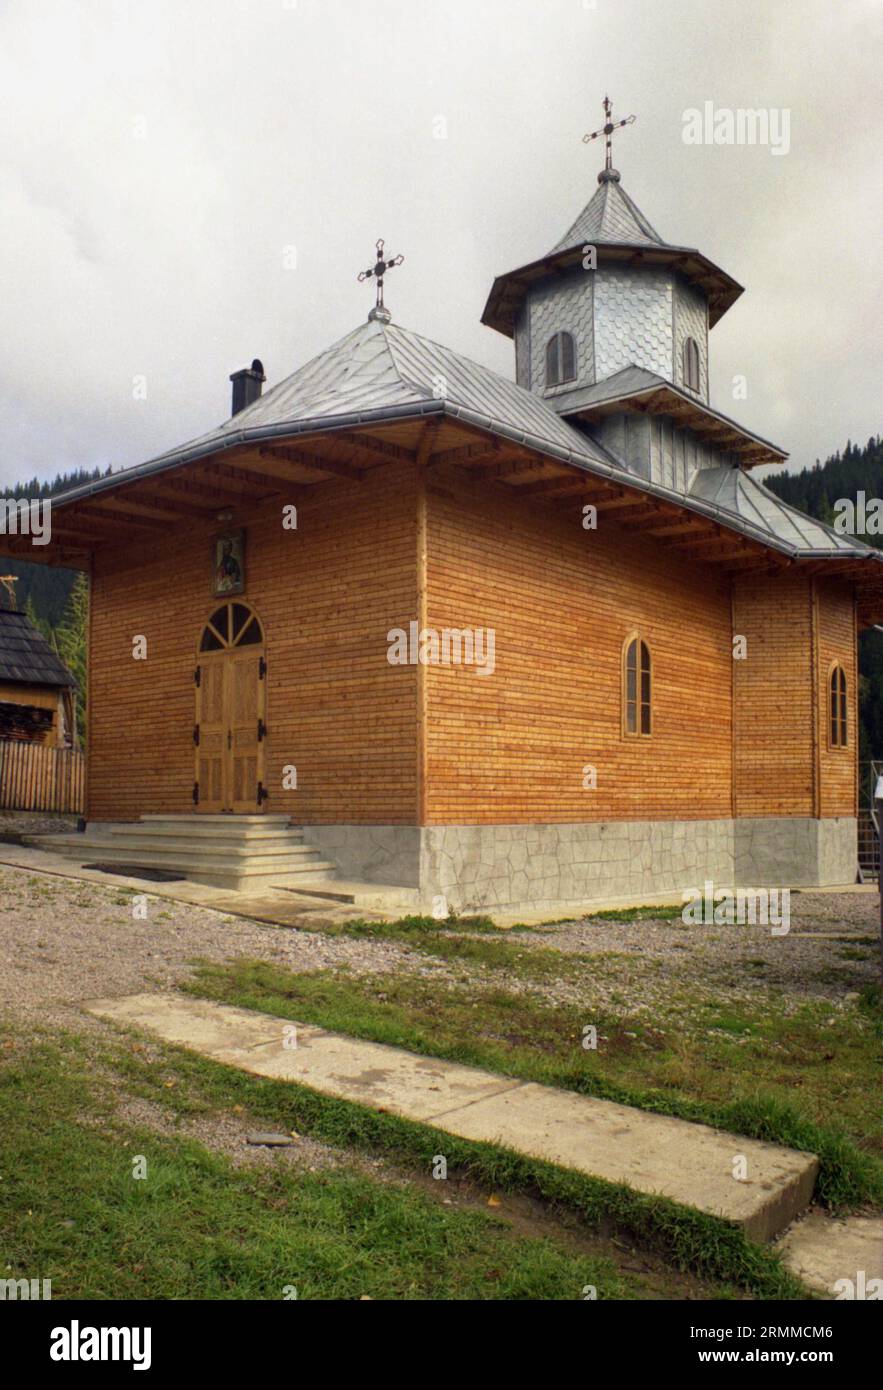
(231, 625)
(838, 731)
(691, 364)
(637, 688)
(560, 359)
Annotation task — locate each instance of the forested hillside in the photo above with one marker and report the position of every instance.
(43, 590)
(816, 490)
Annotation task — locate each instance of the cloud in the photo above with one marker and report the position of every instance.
(159, 160)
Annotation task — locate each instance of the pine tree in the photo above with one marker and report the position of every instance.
(71, 637)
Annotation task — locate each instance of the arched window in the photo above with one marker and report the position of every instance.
(231, 625)
(837, 707)
(691, 364)
(637, 688)
(560, 359)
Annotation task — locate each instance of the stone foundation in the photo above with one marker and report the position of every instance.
(540, 866)
(387, 854)
(795, 851)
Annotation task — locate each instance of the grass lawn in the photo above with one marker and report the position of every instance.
(773, 1069)
(685, 1025)
(198, 1226)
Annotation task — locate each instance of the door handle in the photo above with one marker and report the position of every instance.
(229, 739)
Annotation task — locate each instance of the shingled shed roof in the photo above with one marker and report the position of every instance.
(26, 658)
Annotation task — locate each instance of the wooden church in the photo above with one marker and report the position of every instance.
(531, 642)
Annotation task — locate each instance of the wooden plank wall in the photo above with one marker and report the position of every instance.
(40, 697)
(508, 748)
(511, 748)
(327, 595)
(796, 627)
(774, 773)
(838, 767)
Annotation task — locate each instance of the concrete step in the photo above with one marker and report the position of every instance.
(237, 870)
(381, 897)
(223, 834)
(197, 820)
(135, 847)
(653, 1154)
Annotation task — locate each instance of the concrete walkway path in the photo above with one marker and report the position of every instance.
(761, 1187)
(842, 1257)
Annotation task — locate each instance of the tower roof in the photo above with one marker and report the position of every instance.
(610, 216)
(613, 223)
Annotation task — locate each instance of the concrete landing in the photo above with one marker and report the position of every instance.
(653, 1154)
(841, 1257)
(277, 907)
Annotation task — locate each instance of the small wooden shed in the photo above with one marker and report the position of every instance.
(37, 691)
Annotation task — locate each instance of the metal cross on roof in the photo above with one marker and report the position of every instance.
(377, 272)
(607, 129)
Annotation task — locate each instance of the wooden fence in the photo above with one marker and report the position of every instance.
(34, 777)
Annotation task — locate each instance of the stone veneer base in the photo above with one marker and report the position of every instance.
(538, 866)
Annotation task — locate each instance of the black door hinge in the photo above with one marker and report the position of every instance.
(262, 730)
(196, 734)
(197, 677)
(262, 669)
(196, 793)
(263, 794)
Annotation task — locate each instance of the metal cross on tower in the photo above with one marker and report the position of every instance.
(607, 129)
(377, 272)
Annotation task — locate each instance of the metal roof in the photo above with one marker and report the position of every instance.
(26, 658)
(737, 496)
(382, 373)
(635, 381)
(611, 216)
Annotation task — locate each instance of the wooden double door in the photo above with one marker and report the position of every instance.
(230, 729)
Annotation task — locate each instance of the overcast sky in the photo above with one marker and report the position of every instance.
(159, 161)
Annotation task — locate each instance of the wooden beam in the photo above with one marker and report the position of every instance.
(246, 475)
(468, 453)
(313, 461)
(427, 441)
(628, 512)
(548, 485)
(214, 495)
(154, 502)
(609, 492)
(111, 509)
(381, 447)
(624, 499)
(672, 524)
(498, 471)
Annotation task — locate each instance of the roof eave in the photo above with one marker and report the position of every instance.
(775, 454)
(512, 285)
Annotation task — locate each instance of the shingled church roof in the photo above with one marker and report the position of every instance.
(610, 216)
(381, 373)
(26, 658)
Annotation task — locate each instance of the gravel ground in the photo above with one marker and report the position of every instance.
(63, 941)
(830, 953)
(14, 823)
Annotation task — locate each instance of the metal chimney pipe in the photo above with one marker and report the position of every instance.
(247, 386)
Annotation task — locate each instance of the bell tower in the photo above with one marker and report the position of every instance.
(611, 295)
